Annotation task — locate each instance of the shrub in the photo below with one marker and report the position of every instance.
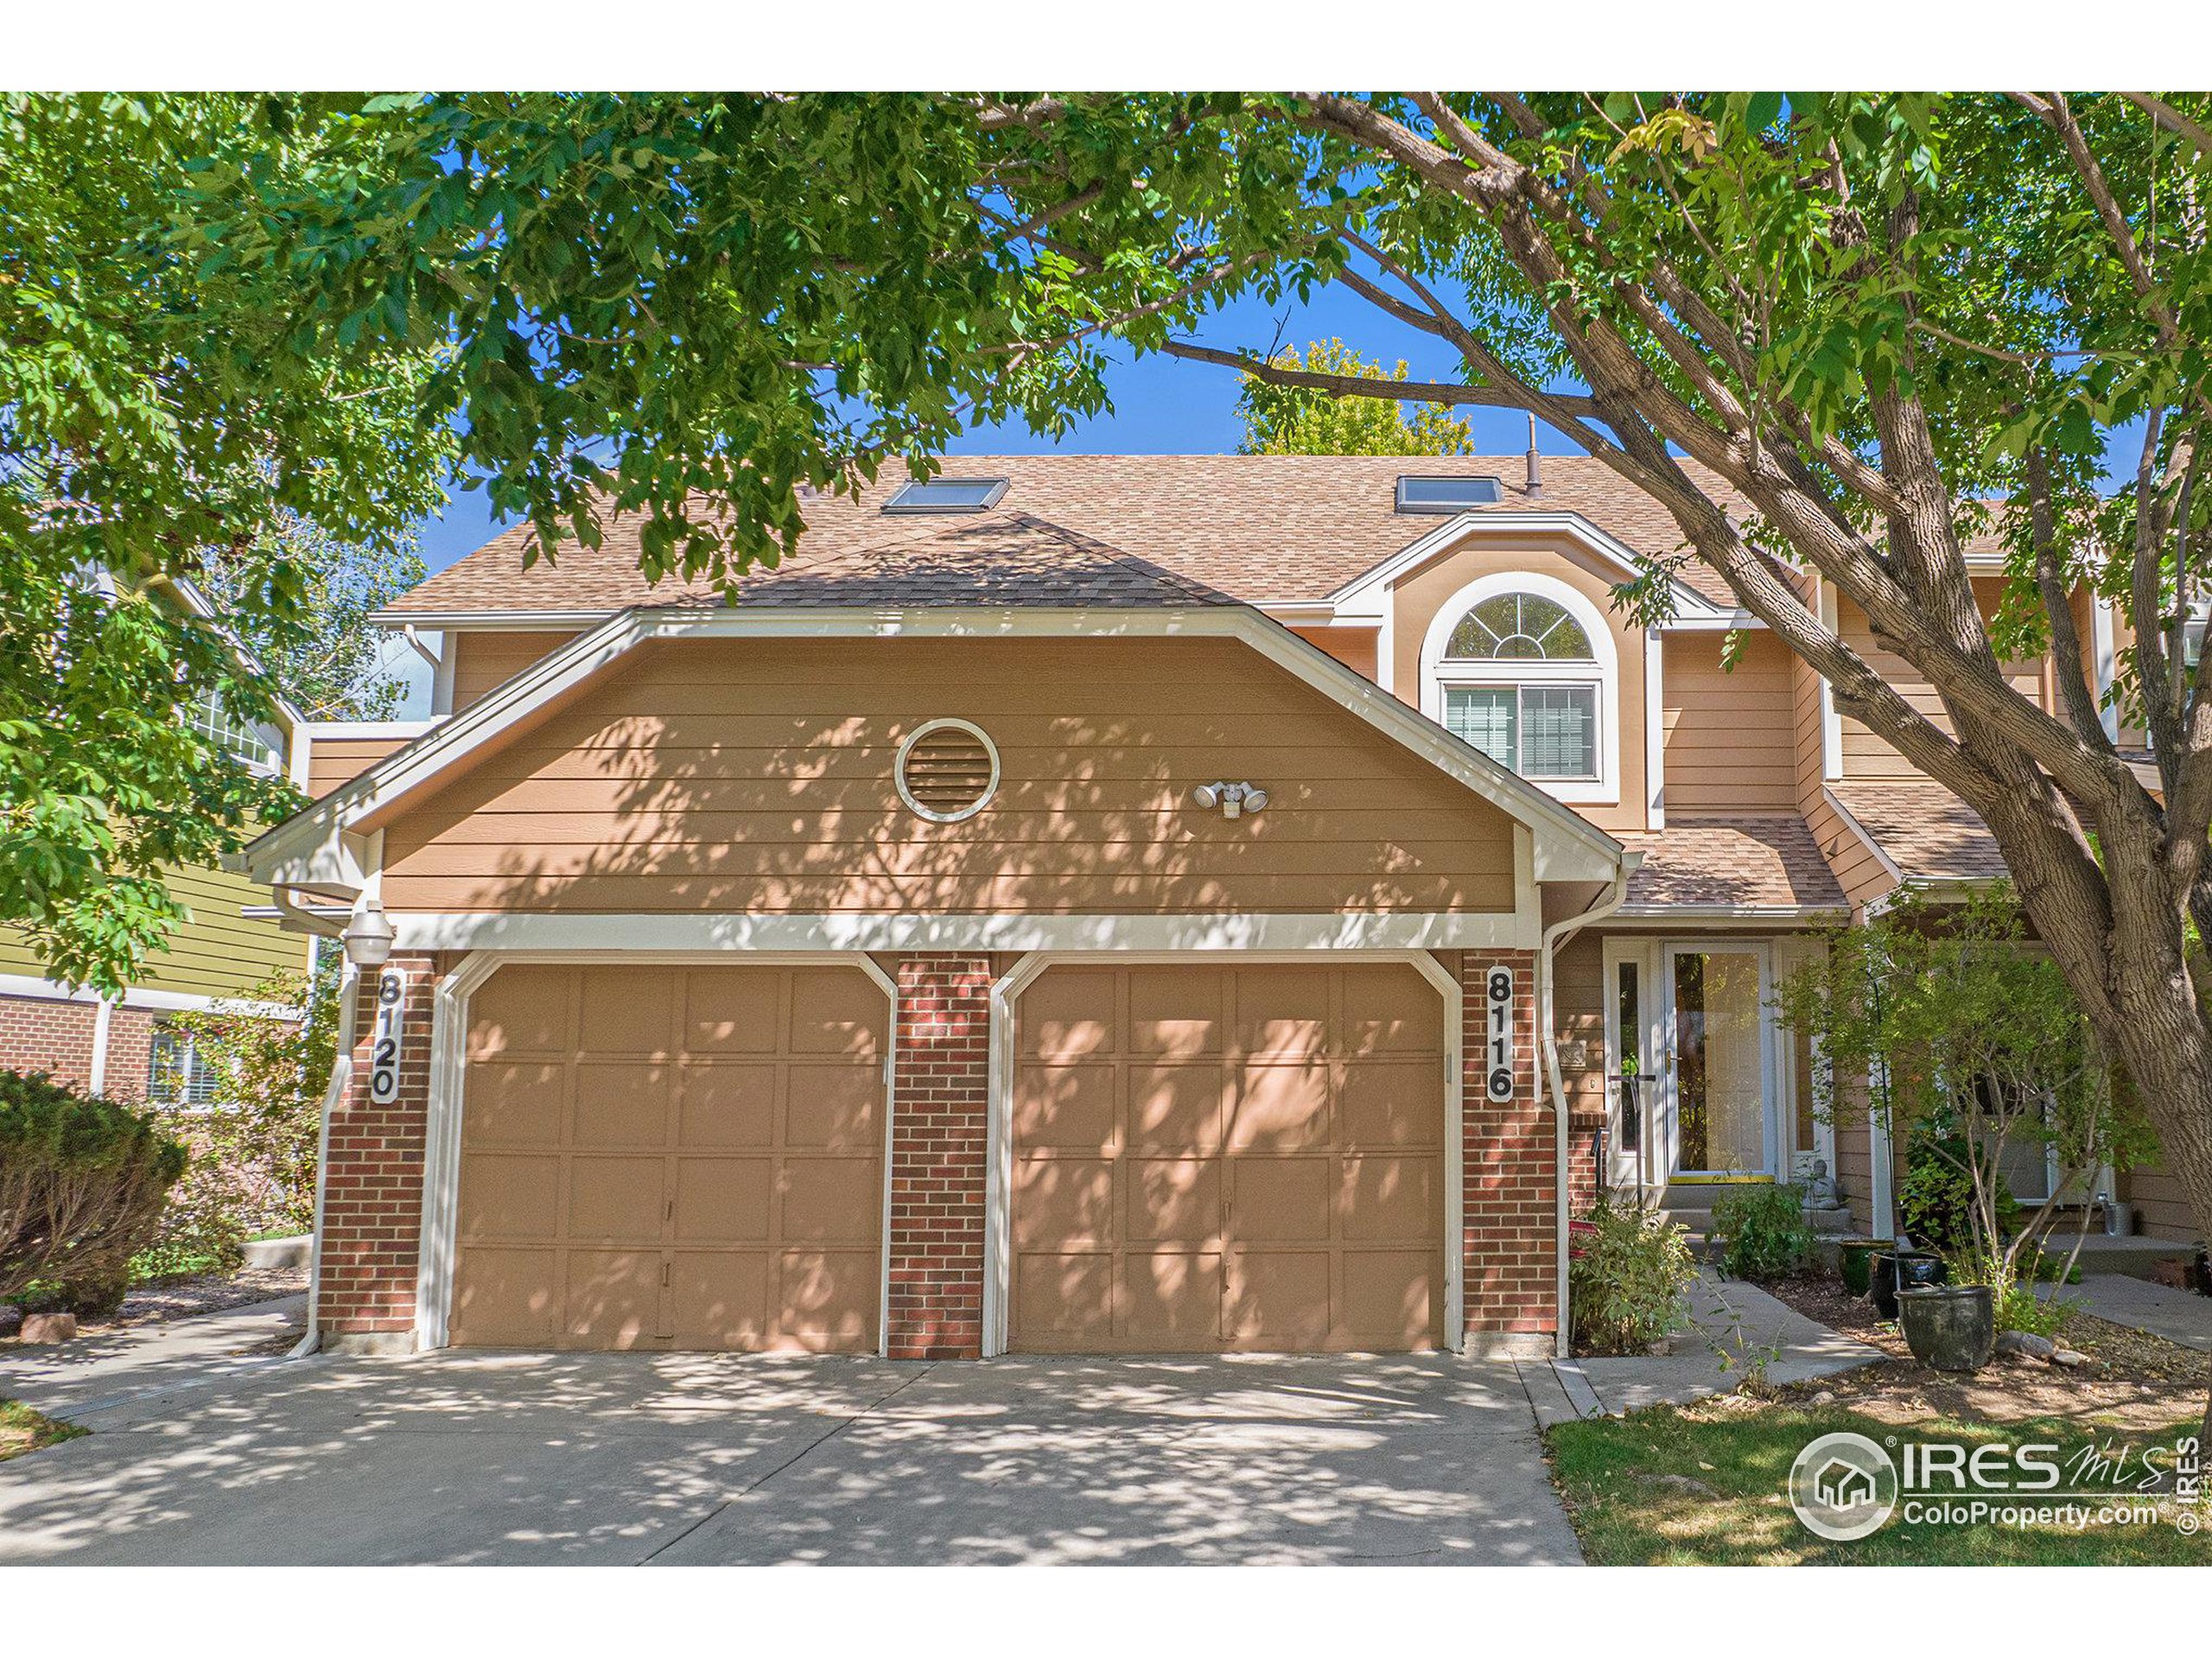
(254, 1151)
(1764, 1232)
(82, 1184)
(1936, 1201)
(1628, 1280)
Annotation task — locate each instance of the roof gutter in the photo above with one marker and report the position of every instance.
(1548, 1042)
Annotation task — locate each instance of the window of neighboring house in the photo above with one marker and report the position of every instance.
(253, 744)
(1520, 676)
(178, 1075)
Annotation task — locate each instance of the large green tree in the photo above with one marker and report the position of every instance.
(1817, 328)
(163, 428)
(1298, 420)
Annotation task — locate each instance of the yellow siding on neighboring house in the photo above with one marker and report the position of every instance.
(1730, 746)
(217, 953)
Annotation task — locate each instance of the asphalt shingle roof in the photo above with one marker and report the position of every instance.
(1767, 862)
(1923, 829)
(1252, 528)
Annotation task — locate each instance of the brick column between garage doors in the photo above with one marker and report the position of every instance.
(1511, 1239)
(940, 1113)
(372, 1180)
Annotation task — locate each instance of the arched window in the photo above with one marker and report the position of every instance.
(1521, 666)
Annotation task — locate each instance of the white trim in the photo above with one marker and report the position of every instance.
(344, 729)
(2103, 648)
(46, 990)
(841, 930)
(1770, 915)
(1571, 849)
(1360, 596)
(96, 1074)
(1831, 717)
(1654, 729)
(493, 621)
(442, 1112)
(945, 724)
(1439, 673)
(998, 1140)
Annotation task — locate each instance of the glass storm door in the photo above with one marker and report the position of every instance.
(1717, 1064)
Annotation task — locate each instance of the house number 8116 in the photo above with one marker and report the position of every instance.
(383, 1053)
(1497, 1055)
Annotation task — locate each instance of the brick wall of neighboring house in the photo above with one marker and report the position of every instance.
(940, 1114)
(55, 1035)
(47, 1034)
(1512, 1261)
(373, 1178)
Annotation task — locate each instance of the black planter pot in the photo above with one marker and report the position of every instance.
(1949, 1327)
(1901, 1268)
(1858, 1262)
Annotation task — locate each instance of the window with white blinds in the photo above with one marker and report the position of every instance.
(1539, 731)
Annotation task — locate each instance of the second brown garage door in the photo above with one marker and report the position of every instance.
(671, 1157)
(1216, 1159)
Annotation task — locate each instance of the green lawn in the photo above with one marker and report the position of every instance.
(24, 1430)
(1609, 1469)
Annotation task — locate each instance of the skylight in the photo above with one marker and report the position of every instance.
(1430, 494)
(946, 495)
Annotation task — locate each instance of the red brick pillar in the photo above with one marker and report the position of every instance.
(939, 1111)
(372, 1177)
(1511, 1240)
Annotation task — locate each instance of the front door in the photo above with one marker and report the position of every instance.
(1718, 1094)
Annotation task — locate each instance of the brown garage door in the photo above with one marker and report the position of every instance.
(1212, 1158)
(665, 1157)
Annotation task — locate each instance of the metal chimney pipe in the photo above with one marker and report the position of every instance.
(1535, 462)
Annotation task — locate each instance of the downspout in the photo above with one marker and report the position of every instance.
(341, 1079)
(1548, 1040)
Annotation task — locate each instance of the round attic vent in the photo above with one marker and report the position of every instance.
(947, 770)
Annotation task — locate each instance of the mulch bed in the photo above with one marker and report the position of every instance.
(207, 1293)
(2136, 1381)
(185, 1299)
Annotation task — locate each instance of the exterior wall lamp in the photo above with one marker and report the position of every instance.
(1234, 800)
(368, 938)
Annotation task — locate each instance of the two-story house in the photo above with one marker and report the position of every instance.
(1083, 903)
(226, 951)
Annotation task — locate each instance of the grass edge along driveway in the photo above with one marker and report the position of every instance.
(22, 1429)
(1626, 1485)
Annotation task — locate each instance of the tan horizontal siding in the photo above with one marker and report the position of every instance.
(1807, 715)
(1862, 876)
(756, 775)
(335, 761)
(1730, 742)
(1579, 1009)
(2161, 1206)
(1356, 648)
(1865, 755)
(489, 657)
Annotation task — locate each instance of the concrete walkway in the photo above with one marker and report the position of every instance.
(1731, 1321)
(466, 1457)
(2180, 1316)
(138, 1361)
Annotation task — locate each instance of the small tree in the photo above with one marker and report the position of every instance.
(1970, 1047)
(256, 1146)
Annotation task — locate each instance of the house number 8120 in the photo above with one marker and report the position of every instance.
(383, 1053)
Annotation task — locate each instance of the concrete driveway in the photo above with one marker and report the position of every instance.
(699, 1459)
